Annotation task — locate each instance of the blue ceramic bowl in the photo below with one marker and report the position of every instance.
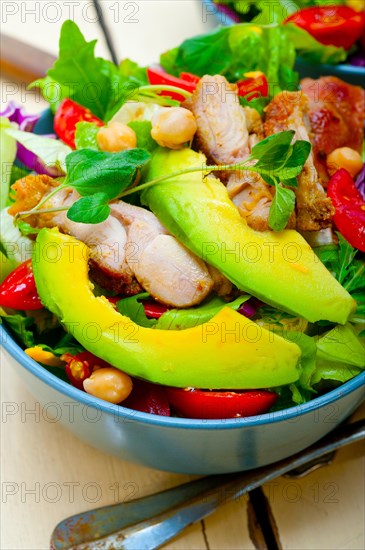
(348, 73)
(179, 444)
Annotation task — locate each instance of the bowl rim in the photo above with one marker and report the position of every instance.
(118, 411)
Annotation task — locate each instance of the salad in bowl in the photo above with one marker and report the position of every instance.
(189, 241)
(328, 35)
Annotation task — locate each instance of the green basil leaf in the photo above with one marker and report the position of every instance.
(86, 76)
(271, 153)
(294, 164)
(52, 91)
(92, 171)
(129, 70)
(132, 308)
(85, 136)
(281, 208)
(206, 50)
(91, 209)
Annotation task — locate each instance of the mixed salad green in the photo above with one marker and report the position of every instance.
(331, 353)
(322, 31)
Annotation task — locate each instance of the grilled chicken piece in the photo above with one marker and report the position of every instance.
(129, 250)
(222, 132)
(179, 278)
(336, 114)
(288, 111)
(224, 135)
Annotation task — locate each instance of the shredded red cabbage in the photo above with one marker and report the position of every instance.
(26, 122)
(360, 181)
(357, 60)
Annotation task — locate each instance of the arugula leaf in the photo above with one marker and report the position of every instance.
(85, 136)
(92, 171)
(312, 50)
(281, 208)
(349, 270)
(346, 255)
(132, 308)
(19, 324)
(52, 152)
(143, 129)
(179, 319)
(66, 344)
(90, 209)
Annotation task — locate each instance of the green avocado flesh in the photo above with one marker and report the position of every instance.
(280, 268)
(228, 352)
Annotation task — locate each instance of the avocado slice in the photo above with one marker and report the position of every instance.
(280, 268)
(228, 352)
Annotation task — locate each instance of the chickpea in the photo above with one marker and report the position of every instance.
(116, 137)
(173, 126)
(109, 384)
(344, 157)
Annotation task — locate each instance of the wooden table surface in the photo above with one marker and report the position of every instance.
(46, 472)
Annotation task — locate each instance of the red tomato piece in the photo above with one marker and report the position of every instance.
(339, 26)
(253, 86)
(189, 77)
(148, 397)
(192, 403)
(153, 309)
(157, 76)
(81, 366)
(349, 208)
(68, 114)
(18, 290)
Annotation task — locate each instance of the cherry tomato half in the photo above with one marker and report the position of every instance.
(339, 26)
(68, 114)
(81, 366)
(18, 290)
(192, 403)
(349, 208)
(149, 398)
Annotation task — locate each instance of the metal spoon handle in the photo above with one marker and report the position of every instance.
(156, 531)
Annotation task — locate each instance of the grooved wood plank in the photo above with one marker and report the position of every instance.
(325, 509)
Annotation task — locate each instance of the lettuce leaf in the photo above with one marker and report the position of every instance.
(8, 154)
(312, 50)
(14, 245)
(52, 152)
(179, 319)
(233, 51)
